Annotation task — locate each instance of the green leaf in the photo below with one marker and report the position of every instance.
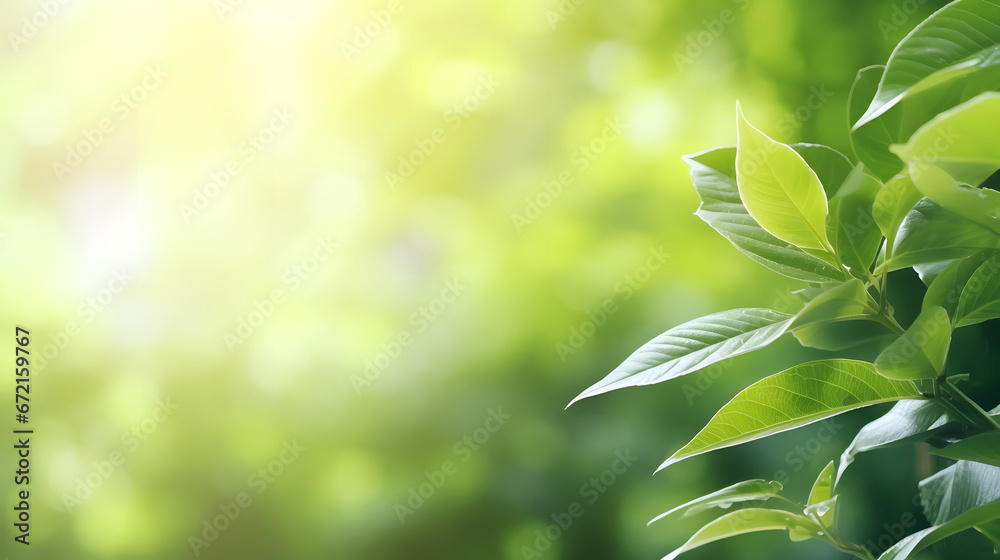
(795, 397)
(909, 421)
(956, 282)
(746, 491)
(981, 448)
(871, 142)
(851, 227)
(842, 335)
(928, 272)
(958, 142)
(960, 497)
(946, 289)
(845, 301)
(922, 539)
(930, 233)
(837, 318)
(975, 204)
(744, 521)
(980, 300)
(958, 489)
(779, 189)
(832, 167)
(822, 489)
(892, 204)
(826, 511)
(822, 502)
(958, 38)
(992, 532)
(713, 173)
(920, 352)
(692, 346)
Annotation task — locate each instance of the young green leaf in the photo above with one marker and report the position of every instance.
(851, 227)
(795, 397)
(693, 346)
(822, 489)
(980, 299)
(928, 272)
(871, 142)
(957, 142)
(981, 448)
(746, 491)
(920, 352)
(947, 288)
(845, 301)
(930, 233)
(975, 204)
(713, 173)
(822, 502)
(779, 189)
(841, 335)
(892, 204)
(744, 521)
(957, 38)
(832, 167)
(908, 421)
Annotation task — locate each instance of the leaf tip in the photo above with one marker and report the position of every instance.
(579, 397)
(673, 459)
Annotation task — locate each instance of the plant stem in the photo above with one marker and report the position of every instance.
(882, 315)
(959, 413)
(884, 300)
(834, 540)
(890, 322)
(852, 549)
(979, 416)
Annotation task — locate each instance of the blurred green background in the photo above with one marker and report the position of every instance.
(303, 257)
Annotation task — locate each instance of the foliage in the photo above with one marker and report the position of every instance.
(916, 195)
